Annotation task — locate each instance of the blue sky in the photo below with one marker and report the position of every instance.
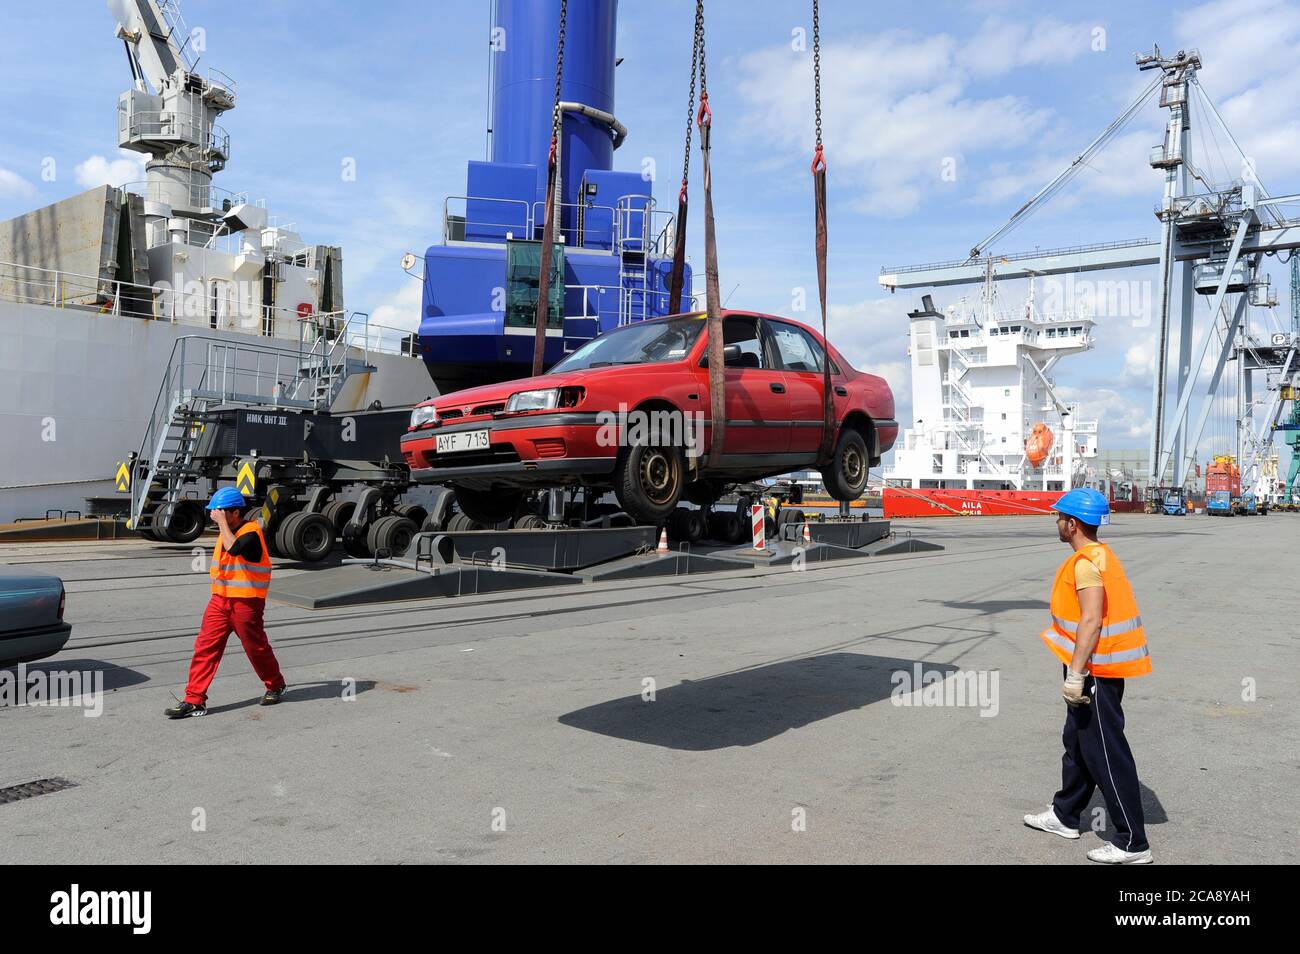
(1002, 92)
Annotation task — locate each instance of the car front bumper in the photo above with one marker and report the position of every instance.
(525, 451)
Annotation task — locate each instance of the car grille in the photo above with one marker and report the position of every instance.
(448, 415)
(494, 455)
(489, 408)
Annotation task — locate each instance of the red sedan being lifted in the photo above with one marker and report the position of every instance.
(628, 412)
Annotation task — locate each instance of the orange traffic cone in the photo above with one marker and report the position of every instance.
(807, 534)
(663, 542)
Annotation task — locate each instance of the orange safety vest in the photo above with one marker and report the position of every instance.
(235, 576)
(1121, 651)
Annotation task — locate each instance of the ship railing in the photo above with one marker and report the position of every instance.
(634, 224)
(593, 303)
(33, 285)
(581, 233)
(202, 194)
(498, 218)
(170, 126)
(223, 82)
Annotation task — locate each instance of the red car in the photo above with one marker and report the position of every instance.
(628, 412)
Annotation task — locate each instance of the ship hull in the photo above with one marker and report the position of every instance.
(899, 502)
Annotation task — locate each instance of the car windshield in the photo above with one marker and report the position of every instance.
(645, 342)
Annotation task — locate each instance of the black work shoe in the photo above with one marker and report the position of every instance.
(272, 696)
(184, 710)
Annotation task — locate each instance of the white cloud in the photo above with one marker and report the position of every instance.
(1139, 364)
(911, 115)
(1002, 45)
(98, 170)
(1121, 419)
(14, 186)
(401, 310)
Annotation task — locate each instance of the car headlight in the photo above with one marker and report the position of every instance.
(424, 415)
(543, 400)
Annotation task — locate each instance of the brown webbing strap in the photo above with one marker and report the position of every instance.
(713, 296)
(548, 223)
(827, 450)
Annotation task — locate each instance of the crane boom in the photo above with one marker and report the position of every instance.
(150, 29)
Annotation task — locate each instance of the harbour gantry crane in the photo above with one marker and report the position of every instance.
(1218, 236)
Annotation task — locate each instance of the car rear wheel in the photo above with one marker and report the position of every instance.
(848, 471)
(648, 482)
(488, 506)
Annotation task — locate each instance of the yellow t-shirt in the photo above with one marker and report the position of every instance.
(1086, 574)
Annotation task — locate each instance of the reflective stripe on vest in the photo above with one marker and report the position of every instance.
(236, 577)
(1121, 651)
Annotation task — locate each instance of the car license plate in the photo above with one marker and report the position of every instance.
(463, 441)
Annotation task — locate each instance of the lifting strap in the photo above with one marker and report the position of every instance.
(713, 328)
(826, 452)
(683, 202)
(548, 223)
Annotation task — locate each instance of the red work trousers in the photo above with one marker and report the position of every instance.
(244, 616)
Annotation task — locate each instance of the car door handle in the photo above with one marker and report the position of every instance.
(777, 388)
(841, 390)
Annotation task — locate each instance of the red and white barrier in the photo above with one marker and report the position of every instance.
(759, 520)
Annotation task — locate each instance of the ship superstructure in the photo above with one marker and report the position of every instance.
(96, 290)
(981, 387)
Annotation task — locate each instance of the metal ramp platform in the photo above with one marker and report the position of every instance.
(485, 561)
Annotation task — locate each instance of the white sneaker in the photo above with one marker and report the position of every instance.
(1047, 821)
(1115, 855)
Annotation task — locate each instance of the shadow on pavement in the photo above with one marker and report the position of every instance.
(299, 692)
(749, 706)
(69, 678)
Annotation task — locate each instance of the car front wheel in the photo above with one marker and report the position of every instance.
(648, 482)
(848, 471)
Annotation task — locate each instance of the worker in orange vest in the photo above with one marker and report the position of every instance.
(1097, 634)
(241, 576)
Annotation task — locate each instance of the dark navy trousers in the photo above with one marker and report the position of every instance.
(1097, 756)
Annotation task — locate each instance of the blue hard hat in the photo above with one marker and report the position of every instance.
(1085, 505)
(227, 498)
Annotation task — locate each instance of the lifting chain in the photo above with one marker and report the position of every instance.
(678, 275)
(556, 118)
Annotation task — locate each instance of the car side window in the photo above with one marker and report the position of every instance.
(798, 351)
(740, 337)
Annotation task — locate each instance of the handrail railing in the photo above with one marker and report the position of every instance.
(35, 285)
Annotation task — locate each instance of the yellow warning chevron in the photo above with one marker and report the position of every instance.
(245, 481)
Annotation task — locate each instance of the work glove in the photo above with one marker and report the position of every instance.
(1072, 690)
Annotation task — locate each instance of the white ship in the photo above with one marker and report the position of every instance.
(986, 412)
(96, 290)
